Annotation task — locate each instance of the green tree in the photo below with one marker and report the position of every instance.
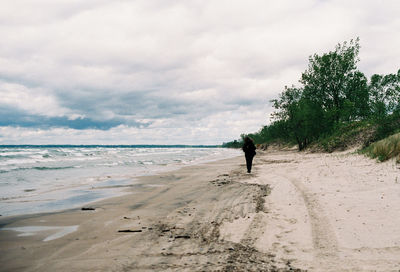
(286, 104)
(356, 103)
(304, 119)
(233, 144)
(333, 82)
(286, 115)
(384, 94)
(276, 131)
(334, 93)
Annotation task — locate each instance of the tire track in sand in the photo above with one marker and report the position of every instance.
(323, 236)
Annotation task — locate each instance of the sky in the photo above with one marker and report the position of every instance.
(169, 71)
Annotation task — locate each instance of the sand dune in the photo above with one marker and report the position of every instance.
(316, 212)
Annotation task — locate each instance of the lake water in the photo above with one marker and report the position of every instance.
(36, 179)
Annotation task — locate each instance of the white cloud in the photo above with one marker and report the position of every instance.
(195, 69)
(33, 100)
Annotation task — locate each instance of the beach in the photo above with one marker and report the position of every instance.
(295, 211)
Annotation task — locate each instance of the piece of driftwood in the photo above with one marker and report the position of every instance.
(182, 236)
(88, 209)
(131, 230)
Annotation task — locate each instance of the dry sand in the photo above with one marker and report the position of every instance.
(316, 212)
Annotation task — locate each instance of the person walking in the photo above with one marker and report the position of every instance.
(249, 150)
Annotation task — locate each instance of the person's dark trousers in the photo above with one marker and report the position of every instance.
(249, 162)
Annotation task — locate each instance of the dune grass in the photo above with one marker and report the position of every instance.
(347, 135)
(385, 149)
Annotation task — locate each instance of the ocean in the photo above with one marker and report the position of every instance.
(37, 179)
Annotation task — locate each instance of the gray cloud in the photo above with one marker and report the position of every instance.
(195, 70)
(12, 117)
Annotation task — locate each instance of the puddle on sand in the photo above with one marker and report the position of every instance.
(60, 231)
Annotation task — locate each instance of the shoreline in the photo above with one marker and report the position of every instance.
(128, 188)
(63, 192)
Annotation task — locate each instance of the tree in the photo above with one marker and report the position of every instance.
(233, 144)
(333, 93)
(333, 82)
(286, 103)
(303, 118)
(385, 94)
(278, 130)
(356, 103)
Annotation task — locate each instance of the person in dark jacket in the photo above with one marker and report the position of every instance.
(249, 150)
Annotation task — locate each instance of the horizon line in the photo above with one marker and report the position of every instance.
(105, 145)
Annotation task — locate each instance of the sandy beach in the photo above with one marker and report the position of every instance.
(296, 211)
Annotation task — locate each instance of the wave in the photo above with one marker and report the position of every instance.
(39, 168)
(43, 168)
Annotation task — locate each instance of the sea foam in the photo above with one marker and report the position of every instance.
(48, 178)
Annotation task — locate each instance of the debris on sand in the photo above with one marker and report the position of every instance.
(88, 209)
(130, 230)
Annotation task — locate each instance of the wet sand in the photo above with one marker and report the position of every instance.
(316, 212)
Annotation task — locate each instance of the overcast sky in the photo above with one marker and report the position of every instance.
(168, 71)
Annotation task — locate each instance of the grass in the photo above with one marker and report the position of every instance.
(385, 149)
(346, 136)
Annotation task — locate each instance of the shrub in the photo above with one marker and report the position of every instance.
(385, 149)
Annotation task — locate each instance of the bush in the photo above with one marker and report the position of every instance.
(346, 135)
(233, 144)
(385, 149)
(387, 126)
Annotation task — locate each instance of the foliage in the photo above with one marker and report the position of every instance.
(335, 106)
(385, 149)
(333, 82)
(333, 91)
(233, 144)
(387, 126)
(358, 133)
(346, 135)
(385, 94)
